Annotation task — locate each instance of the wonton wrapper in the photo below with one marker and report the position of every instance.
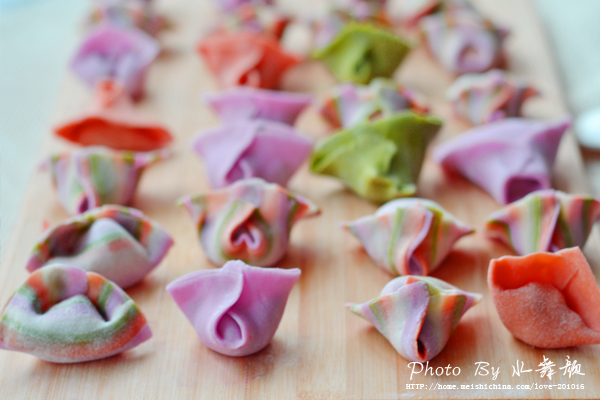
(263, 149)
(408, 236)
(64, 315)
(483, 98)
(120, 54)
(547, 300)
(93, 176)
(138, 14)
(417, 314)
(120, 243)
(249, 220)
(255, 18)
(235, 310)
(243, 103)
(379, 160)
(509, 158)
(462, 41)
(246, 59)
(231, 5)
(349, 104)
(544, 221)
(113, 121)
(362, 52)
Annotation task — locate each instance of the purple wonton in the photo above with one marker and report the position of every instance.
(235, 310)
(116, 53)
(509, 158)
(263, 149)
(241, 103)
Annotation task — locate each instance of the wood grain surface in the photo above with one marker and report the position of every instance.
(321, 351)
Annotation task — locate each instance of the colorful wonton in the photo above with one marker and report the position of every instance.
(408, 236)
(120, 243)
(483, 98)
(417, 314)
(263, 149)
(379, 160)
(244, 103)
(246, 59)
(410, 12)
(327, 27)
(255, 18)
(64, 315)
(463, 41)
(509, 158)
(361, 52)
(235, 310)
(138, 14)
(113, 121)
(544, 221)
(249, 220)
(231, 5)
(94, 176)
(348, 103)
(121, 54)
(547, 300)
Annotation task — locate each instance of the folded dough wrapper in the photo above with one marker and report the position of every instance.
(463, 41)
(62, 314)
(417, 314)
(361, 52)
(256, 18)
(547, 300)
(113, 121)
(249, 220)
(263, 149)
(235, 310)
(120, 243)
(488, 97)
(544, 221)
(130, 14)
(121, 54)
(246, 59)
(378, 160)
(94, 176)
(408, 236)
(244, 103)
(349, 104)
(233, 5)
(509, 158)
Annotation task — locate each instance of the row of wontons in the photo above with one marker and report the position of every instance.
(257, 217)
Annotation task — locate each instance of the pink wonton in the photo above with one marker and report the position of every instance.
(483, 98)
(94, 176)
(235, 310)
(122, 244)
(242, 103)
(463, 41)
(509, 158)
(263, 149)
(116, 53)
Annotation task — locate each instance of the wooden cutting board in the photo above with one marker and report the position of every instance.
(321, 351)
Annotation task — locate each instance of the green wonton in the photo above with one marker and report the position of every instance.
(379, 160)
(361, 52)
